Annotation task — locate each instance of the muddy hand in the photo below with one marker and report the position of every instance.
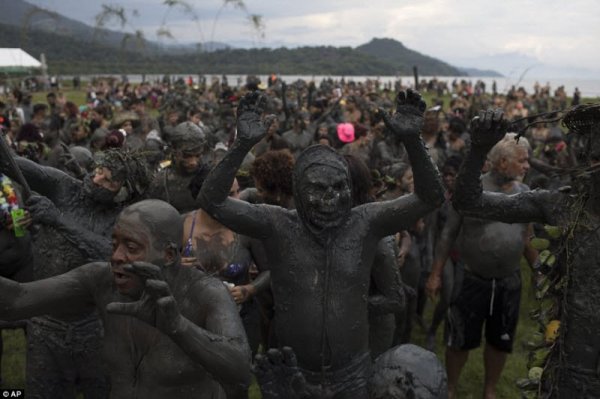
(278, 375)
(488, 128)
(156, 306)
(250, 125)
(408, 118)
(241, 293)
(42, 210)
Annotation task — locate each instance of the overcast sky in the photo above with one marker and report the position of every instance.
(557, 35)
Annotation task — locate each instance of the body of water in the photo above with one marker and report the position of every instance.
(587, 87)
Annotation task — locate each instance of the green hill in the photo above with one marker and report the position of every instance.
(403, 59)
(70, 55)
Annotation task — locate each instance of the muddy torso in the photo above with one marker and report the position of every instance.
(492, 249)
(321, 291)
(174, 189)
(142, 361)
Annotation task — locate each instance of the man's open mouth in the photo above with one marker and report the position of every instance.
(121, 278)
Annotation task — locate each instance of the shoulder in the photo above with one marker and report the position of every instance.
(93, 275)
(521, 187)
(202, 284)
(250, 195)
(387, 244)
(94, 268)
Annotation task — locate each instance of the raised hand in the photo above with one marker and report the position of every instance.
(278, 375)
(156, 306)
(42, 210)
(250, 125)
(241, 293)
(69, 162)
(408, 118)
(488, 128)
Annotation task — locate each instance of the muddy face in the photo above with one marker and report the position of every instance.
(187, 161)
(131, 242)
(96, 187)
(326, 196)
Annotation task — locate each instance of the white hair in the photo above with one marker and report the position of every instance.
(506, 148)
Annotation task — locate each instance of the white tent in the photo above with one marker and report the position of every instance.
(15, 60)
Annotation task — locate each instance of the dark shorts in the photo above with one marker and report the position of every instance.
(494, 302)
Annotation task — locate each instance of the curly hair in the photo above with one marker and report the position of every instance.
(130, 168)
(273, 170)
(362, 180)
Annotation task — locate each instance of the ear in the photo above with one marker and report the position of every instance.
(172, 255)
(503, 163)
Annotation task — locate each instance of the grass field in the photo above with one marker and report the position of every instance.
(471, 383)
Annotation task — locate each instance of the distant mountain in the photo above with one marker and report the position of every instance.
(482, 73)
(403, 59)
(28, 17)
(74, 47)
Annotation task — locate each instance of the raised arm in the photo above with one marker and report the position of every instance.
(65, 293)
(399, 214)
(220, 346)
(93, 246)
(43, 179)
(242, 217)
(469, 198)
(390, 296)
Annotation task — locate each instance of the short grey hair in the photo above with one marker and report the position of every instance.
(506, 147)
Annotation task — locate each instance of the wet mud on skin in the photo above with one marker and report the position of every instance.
(573, 368)
(72, 226)
(320, 254)
(171, 187)
(80, 236)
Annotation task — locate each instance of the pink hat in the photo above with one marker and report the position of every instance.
(345, 132)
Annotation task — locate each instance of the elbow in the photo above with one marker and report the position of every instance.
(203, 201)
(459, 204)
(237, 370)
(434, 198)
(462, 202)
(239, 375)
(439, 197)
(8, 313)
(245, 375)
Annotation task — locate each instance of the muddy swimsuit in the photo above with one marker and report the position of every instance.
(237, 259)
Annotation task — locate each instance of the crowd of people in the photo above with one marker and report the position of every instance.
(321, 213)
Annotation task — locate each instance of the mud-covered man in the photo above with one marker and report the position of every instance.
(321, 253)
(491, 288)
(171, 184)
(72, 223)
(169, 331)
(572, 370)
